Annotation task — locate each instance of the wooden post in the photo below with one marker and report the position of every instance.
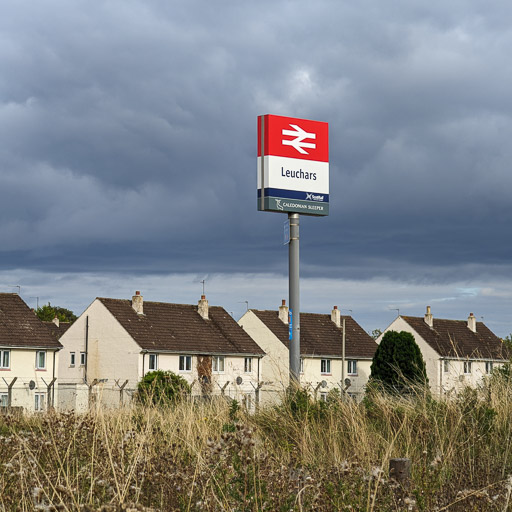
(400, 470)
(49, 391)
(223, 388)
(91, 385)
(121, 388)
(9, 391)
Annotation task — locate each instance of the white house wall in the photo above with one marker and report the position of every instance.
(113, 354)
(23, 366)
(221, 381)
(312, 375)
(275, 363)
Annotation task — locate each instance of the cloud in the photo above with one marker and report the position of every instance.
(129, 130)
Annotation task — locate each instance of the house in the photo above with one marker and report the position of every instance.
(321, 351)
(29, 355)
(457, 353)
(115, 342)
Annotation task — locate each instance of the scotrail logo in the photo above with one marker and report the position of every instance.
(314, 197)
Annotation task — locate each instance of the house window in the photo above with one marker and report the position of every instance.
(153, 362)
(248, 365)
(352, 367)
(71, 359)
(446, 366)
(247, 401)
(39, 402)
(41, 360)
(5, 358)
(301, 365)
(82, 358)
(185, 363)
(218, 364)
(325, 366)
(488, 367)
(467, 366)
(4, 399)
(323, 397)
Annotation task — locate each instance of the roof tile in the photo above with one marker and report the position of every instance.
(453, 338)
(20, 327)
(180, 328)
(319, 336)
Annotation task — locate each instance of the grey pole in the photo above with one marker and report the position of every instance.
(343, 355)
(294, 298)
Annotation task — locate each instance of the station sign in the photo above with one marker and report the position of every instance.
(293, 165)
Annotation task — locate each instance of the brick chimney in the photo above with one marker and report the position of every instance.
(335, 316)
(202, 307)
(472, 322)
(56, 321)
(429, 319)
(283, 312)
(137, 303)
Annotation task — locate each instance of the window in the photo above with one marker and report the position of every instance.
(247, 401)
(488, 367)
(301, 365)
(4, 399)
(467, 366)
(82, 358)
(325, 366)
(71, 359)
(153, 362)
(248, 365)
(185, 363)
(41, 360)
(5, 358)
(352, 367)
(323, 397)
(39, 402)
(218, 364)
(446, 366)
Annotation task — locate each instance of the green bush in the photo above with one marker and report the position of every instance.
(398, 365)
(162, 387)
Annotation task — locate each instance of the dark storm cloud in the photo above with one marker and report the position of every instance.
(128, 134)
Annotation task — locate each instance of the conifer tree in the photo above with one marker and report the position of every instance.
(398, 364)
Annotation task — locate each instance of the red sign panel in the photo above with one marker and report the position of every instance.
(293, 138)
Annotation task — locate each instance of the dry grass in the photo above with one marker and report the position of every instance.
(302, 456)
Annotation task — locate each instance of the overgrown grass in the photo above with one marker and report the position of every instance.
(303, 456)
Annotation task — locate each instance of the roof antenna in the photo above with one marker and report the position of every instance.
(203, 281)
(395, 309)
(16, 286)
(246, 302)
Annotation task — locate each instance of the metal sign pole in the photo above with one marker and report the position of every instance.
(343, 355)
(294, 298)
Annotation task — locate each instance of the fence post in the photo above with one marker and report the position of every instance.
(400, 470)
(91, 385)
(49, 391)
(121, 388)
(9, 390)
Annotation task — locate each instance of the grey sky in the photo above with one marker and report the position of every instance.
(128, 141)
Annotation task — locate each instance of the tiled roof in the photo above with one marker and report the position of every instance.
(319, 336)
(20, 327)
(453, 338)
(180, 328)
(59, 330)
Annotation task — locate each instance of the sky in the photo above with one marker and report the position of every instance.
(128, 153)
